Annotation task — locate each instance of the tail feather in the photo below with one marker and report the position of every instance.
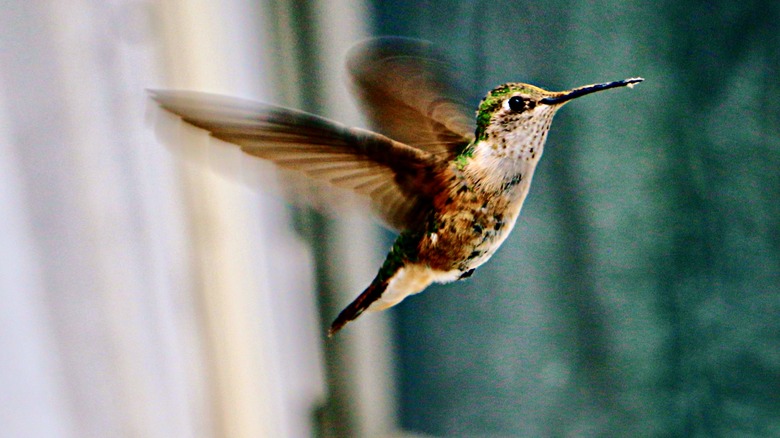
(405, 244)
(358, 306)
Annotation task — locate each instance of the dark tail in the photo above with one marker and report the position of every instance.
(398, 256)
(361, 303)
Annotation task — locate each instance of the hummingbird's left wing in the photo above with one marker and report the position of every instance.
(406, 89)
(391, 174)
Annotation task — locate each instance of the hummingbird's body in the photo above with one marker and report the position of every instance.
(453, 191)
(475, 205)
(465, 227)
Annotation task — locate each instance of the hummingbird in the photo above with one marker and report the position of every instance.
(451, 182)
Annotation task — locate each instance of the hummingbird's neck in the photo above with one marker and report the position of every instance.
(501, 166)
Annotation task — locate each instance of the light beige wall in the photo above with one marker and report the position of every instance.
(151, 287)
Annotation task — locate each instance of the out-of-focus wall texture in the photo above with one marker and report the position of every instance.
(155, 283)
(150, 284)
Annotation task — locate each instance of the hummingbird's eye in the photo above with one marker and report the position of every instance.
(516, 103)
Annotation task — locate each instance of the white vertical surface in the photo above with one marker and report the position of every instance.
(27, 360)
(139, 287)
(85, 299)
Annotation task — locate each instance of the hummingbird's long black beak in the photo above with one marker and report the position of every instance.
(587, 89)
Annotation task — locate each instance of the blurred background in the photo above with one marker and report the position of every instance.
(154, 291)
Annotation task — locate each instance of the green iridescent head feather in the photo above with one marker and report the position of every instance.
(495, 98)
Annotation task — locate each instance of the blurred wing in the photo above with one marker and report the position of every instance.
(406, 89)
(386, 171)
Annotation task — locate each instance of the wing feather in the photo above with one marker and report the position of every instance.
(373, 165)
(406, 89)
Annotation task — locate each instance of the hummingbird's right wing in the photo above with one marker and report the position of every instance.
(405, 87)
(391, 174)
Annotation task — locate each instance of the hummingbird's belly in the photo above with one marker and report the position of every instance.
(468, 237)
(484, 244)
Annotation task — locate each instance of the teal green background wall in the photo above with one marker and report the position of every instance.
(639, 292)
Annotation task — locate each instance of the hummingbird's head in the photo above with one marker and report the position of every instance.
(513, 107)
(513, 121)
(515, 117)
